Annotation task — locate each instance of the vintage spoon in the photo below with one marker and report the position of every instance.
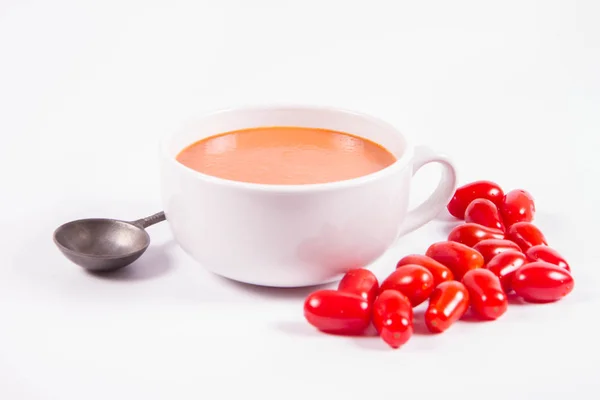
(103, 245)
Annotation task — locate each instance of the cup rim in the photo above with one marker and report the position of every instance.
(398, 165)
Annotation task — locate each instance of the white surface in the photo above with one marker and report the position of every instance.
(294, 235)
(510, 89)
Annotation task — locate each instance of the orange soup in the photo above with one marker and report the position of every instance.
(286, 156)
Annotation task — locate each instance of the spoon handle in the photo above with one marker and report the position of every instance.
(151, 220)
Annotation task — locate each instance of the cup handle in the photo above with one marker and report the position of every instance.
(427, 210)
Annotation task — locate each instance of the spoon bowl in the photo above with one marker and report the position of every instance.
(104, 245)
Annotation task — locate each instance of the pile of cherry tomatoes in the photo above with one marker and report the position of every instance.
(497, 250)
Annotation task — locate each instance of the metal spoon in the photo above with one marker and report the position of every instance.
(104, 245)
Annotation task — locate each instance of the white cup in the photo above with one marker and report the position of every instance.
(295, 235)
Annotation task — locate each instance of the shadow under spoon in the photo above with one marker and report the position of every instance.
(102, 244)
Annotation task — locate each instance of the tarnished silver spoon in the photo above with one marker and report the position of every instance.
(104, 245)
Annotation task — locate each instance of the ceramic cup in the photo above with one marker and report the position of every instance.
(295, 235)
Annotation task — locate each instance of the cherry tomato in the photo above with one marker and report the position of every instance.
(517, 206)
(470, 234)
(447, 304)
(544, 253)
(440, 272)
(490, 248)
(526, 235)
(464, 195)
(393, 318)
(362, 282)
(542, 282)
(484, 212)
(458, 257)
(487, 298)
(412, 280)
(336, 312)
(504, 265)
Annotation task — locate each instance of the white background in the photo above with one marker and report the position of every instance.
(510, 89)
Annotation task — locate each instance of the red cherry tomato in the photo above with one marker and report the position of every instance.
(484, 212)
(412, 280)
(440, 272)
(526, 235)
(544, 253)
(504, 265)
(336, 312)
(492, 247)
(465, 194)
(487, 298)
(362, 282)
(458, 257)
(542, 282)
(393, 318)
(470, 234)
(517, 206)
(447, 304)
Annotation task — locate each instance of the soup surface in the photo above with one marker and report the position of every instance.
(285, 156)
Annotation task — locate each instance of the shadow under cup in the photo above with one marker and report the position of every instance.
(293, 235)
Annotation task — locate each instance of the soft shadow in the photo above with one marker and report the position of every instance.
(370, 332)
(515, 300)
(368, 340)
(297, 328)
(446, 227)
(471, 317)
(446, 222)
(445, 216)
(154, 263)
(372, 343)
(419, 326)
(303, 328)
(268, 292)
(371, 340)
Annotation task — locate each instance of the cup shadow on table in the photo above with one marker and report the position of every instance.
(272, 293)
(154, 263)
